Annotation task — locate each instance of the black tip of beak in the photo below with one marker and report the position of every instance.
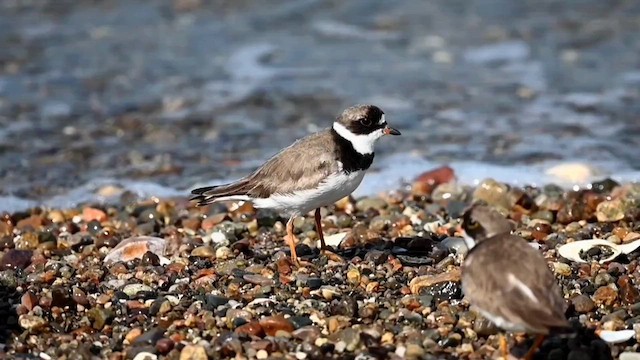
(391, 131)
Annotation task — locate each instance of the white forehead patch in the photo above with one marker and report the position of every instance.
(382, 120)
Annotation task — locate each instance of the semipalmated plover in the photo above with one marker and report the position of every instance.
(508, 281)
(314, 171)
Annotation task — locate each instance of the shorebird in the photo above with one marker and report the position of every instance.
(314, 171)
(508, 281)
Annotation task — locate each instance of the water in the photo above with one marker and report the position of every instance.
(157, 99)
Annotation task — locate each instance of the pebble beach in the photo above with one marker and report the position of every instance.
(162, 279)
(112, 110)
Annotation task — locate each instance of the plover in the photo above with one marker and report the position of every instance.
(314, 171)
(508, 281)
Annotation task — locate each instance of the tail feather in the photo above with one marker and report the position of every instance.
(209, 194)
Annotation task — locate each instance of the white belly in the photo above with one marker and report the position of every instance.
(503, 323)
(301, 202)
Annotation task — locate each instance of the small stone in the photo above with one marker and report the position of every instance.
(602, 279)
(377, 257)
(484, 327)
(605, 295)
(273, 324)
(583, 304)
(493, 193)
(213, 220)
(90, 214)
(455, 245)
(614, 239)
(629, 356)
(33, 222)
(100, 317)
(300, 321)
(223, 253)
(262, 354)
(561, 269)
(16, 259)
(252, 328)
(132, 335)
(258, 280)
(132, 289)
(193, 352)
(307, 334)
(426, 182)
(29, 300)
(145, 355)
(28, 241)
(353, 276)
(371, 203)
(135, 248)
(56, 216)
(214, 301)
(610, 211)
(350, 336)
(632, 236)
(204, 251)
(164, 345)
(32, 322)
(414, 351)
(629, 293)
(219, 238)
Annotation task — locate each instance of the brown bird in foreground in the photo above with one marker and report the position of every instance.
(507, 280)
(315, 171)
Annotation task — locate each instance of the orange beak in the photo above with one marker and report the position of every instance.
(390, 131)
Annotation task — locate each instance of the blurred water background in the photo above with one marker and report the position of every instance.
(158, 96)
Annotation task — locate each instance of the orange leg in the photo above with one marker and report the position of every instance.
(323, 246)
(534, 347)
(292, 240)
(504, 346)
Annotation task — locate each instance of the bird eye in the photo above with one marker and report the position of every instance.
(365, 121)
(472, 225)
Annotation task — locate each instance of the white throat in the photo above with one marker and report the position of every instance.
(468, 240)
(361, 143)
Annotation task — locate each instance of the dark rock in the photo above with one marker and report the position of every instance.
(300, 321)
(447, 290)
(16, 259)
(376, 256)
(150, 337)
(213, 301)
(583, 304)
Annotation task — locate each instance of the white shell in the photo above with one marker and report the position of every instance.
(335, 239)
(615, 337)
(629, 247)
(571, 250)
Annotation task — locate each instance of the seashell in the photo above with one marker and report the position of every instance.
(628, 248)
(135, 247)
(261, 301)
(335, 239)
(573, 250)
(615, 337)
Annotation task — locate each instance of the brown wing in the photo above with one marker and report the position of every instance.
(508, 278)
(300, 166)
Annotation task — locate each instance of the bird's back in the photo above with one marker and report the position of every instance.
(509, 279)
